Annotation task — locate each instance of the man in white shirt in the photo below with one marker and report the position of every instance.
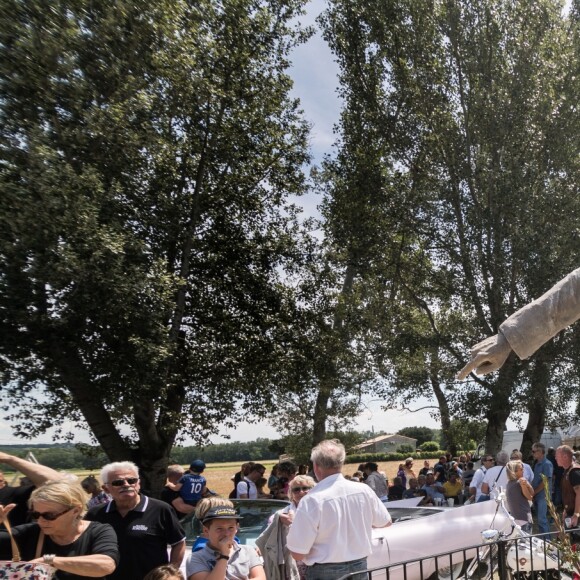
(246, 489)
(475, 486)
(496, 477)
(332, 528)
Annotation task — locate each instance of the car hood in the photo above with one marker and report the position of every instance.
(422, 532)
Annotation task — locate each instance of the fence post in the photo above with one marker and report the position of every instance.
(502, 567)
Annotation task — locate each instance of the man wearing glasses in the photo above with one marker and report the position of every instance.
(247, 489)
(475, 487)
(144, 526)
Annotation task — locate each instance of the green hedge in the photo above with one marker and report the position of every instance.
(376, 457)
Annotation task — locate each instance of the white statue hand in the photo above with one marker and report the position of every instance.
(487, 356)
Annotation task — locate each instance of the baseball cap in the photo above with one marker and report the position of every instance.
(197, 465)
(221, 513)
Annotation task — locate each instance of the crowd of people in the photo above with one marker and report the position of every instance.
(80, 530)
(107, 528)
(448, 479)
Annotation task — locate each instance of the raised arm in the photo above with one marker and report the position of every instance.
(37, 473)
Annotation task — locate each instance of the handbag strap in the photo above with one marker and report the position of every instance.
(39, 545)
(13, 544)
(500, 472)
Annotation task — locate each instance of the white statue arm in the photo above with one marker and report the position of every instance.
(529, 328)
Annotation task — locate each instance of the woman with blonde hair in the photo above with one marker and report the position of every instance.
(60, 537)
(274, 536)
(519, 493)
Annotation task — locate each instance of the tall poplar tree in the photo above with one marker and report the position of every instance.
(474, 99)
(147, 153)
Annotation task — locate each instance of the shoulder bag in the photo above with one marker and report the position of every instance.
(16, 570)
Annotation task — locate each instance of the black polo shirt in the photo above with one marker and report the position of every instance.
(143, 535)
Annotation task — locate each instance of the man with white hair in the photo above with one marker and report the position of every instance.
(496, 477)
(144, 526)
(332, 528)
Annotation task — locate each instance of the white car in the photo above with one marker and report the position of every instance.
(417, 532)
(420, 532)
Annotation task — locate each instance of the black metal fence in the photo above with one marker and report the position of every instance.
(522, 558)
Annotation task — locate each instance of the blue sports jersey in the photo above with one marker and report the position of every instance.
(191, 488)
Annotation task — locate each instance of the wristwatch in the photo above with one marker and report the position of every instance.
(222, 557)
(49, 559)
(577, 515)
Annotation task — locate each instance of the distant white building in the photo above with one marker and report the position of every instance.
(571, 436)
(513, 440)
(384, 444)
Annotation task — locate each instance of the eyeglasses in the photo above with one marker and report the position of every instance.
(120, 482)
(49, 516)
(297, 489)
(489, 459)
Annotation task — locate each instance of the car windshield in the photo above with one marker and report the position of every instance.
(401, 514)
(254, 519)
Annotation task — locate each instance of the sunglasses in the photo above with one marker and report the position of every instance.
(120, 482)
(49, 516)
(297, 489)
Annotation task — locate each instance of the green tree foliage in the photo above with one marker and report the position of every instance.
(62, 456)
(331, 367)
(469, 111)
(299, 445)
(225, 452)
(422, 434)
(147, 152)
(465, 434)
(430, 446)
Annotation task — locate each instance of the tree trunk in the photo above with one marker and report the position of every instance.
(327, 383)
(537, 402)
(320, 414)
(499, 408)
(72, 373)
(155, 444)
(443, 410)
